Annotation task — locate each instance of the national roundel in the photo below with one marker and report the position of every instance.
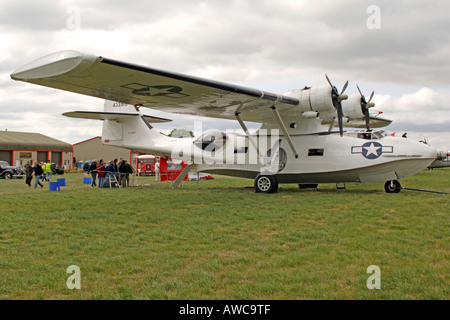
(372, 150)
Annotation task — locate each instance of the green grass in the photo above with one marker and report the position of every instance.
(152, 242)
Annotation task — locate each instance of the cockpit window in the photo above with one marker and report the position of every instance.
(379, 134)
(211, 141)
(370, 135)
(365, 135)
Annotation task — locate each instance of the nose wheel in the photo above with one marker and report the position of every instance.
(392, 186)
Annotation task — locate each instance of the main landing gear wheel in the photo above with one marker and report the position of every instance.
(392, 186)
(266, 183)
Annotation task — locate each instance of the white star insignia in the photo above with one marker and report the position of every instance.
(372, 150)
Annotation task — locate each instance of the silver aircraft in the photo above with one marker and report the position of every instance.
(291, 146)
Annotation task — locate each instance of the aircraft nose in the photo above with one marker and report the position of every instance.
(430, 152)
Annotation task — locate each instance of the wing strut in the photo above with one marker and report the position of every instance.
(244, 127)
(283, 128)
(182, 175)
(332, 125)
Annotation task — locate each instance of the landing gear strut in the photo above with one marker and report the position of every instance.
(266, 183)
(392, 186)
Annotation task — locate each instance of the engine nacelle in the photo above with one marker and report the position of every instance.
(351, 107)
(318, 99)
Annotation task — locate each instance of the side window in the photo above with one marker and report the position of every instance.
(316, 152)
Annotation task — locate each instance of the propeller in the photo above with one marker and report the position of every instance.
(365, 105)
(337, 98)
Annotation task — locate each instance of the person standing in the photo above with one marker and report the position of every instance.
(116, 169)
(38, 172)
(28, 174)
(101, 172)
(86, 169)
(48, 171)
(123, 173)
(43, 176)
(129, 172)
(157, 170)
(93, 172)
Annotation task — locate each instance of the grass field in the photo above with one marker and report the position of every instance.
(213, 242)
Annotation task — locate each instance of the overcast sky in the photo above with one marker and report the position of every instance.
(400, 49)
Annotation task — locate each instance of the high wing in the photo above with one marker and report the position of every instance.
(375, 122)
(112, 116)
(137, 85)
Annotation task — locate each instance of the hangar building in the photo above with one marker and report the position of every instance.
(94, 149)
(17, 148)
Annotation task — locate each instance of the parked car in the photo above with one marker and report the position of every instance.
(8, 172)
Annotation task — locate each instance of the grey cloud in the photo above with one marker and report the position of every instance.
(33, 15)
(271, 45)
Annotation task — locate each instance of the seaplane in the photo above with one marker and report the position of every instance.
(301, 139)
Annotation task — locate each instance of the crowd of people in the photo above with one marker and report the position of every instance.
(108, 174)
(114, 173)
(41, 172)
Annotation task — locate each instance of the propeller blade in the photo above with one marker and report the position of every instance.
(337, 98)
(345, 87)
(360, 91)
(328, 79)
(371, 96)
(365, 106)
(367, 114)
(340, 115)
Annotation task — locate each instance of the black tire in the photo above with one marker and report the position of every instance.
(8, 175)
(266, 183)
(392, 186)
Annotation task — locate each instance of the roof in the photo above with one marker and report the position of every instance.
(98, 137)
(31, 141)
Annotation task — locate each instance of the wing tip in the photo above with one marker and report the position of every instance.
(52, 65)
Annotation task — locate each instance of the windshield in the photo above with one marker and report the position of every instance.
(368, 134)
(379, 134)
(211, 141)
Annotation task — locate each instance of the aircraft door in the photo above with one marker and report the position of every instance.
(282, 159)
(276, 160)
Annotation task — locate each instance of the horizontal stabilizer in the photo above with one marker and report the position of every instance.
(120, 117)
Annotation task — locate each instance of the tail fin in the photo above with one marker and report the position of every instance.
(111, 106)
(127, 124)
